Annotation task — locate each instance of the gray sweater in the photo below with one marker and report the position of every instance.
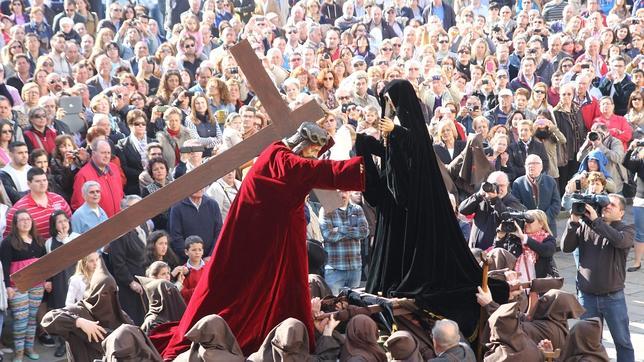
(603, 249)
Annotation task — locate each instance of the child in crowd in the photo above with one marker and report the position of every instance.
(161, 270)
(194, 250)
(369, 124)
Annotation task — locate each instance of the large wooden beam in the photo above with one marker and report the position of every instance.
(285, 122)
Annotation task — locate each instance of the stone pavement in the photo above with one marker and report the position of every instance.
(634, 294)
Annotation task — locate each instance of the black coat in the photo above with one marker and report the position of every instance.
(518, 154)
(131, 164)
(126, 260)
(443, 153)
(419, 250)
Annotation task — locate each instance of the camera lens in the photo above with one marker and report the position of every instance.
(593, 136)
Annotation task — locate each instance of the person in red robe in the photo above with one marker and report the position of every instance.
(257, 276)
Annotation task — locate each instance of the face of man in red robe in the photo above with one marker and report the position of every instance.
(311, 151)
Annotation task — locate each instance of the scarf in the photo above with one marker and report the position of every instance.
(173, 134)
(527, 260)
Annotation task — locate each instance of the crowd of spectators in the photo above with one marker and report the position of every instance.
(102, 104)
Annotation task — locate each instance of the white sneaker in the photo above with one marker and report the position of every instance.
(6, 350)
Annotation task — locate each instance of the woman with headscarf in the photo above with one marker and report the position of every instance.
(165, 303)
(212, 340)
(585, 343)
(362, 341)
(129, 343)
(403, 346)
(410, 258)
(508, 342)
(85, 324)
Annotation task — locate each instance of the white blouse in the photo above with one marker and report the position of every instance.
(76, 290)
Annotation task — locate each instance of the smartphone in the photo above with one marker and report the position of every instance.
(578, 185)
(585, 66)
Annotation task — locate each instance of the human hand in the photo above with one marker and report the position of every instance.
(48, 287)
(136, 287)
(11, 292)
(519, 233)
(94, 332)
(83, 155)
(386, 125)
(571, 187)
(316, 305)
(483, 298)
(60, 113)
(545, 345)
(591, 212)
(574, 218)
(505, 157)
(331, 324)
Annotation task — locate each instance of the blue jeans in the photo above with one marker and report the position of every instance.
(612, 308)
(338, 279)
(638, 218)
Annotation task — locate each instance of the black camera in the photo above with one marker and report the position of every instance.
(233, 70)
(593, 136)
(490, 187)
(510, 217)
(189, 94)
(596, 201)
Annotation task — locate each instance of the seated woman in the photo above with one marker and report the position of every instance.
(79, 282)
(362, 341)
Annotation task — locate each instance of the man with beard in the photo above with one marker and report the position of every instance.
(415, 217)
(270, 258)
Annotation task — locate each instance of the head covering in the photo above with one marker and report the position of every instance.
(165, 301)
(319, 287)
(288, 341)
(362, 340)
(585, 343)
(307, 134)
(129, 344)
(499, 258)
(403, 347)
(102, 300)
(403, 96)
(212, 340)
(317, 257)
(601, 159)
(508, 342)
(550, 318)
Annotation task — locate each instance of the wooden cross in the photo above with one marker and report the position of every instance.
(284, 123)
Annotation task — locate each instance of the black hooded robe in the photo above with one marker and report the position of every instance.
(419, 250)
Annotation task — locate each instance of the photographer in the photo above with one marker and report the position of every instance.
(523, 147)
(600, 139)
(487, 205)
(604, 243)
(634, 162)
(591, 183)
(467, 114)
(533, 245)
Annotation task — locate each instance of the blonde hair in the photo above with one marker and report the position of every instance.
(83, 270)
(541, 217)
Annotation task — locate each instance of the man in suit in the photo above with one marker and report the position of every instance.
(537, 190)
(523, 147)
(103, 79)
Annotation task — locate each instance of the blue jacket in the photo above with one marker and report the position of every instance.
(186, 220)
(601, 159)
(548, 201)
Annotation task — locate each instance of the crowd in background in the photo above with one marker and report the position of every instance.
(102, 104)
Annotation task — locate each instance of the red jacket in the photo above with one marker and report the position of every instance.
(590, 111)
(111, 187)
(36, 140)
(618, 127)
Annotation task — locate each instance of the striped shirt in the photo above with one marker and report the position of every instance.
(38, 213)
(342, 231)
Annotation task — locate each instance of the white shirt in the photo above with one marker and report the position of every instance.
(19, 177)
(76, 290)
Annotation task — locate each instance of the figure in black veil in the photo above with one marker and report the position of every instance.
(419, 251)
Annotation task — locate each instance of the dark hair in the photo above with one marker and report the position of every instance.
(15, 144)
(193, 239)
(52, 222)
(35, 154)
(34, 171)
(14, 236)
(150, 255)
(156, 160)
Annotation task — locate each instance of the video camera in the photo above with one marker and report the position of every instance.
(596, 201)
(490, 187)
(510, 217)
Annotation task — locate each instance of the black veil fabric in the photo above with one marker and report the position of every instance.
(419, 250)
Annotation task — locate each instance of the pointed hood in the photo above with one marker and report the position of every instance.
(212, 340)
(102, 299)
(129, 344)
(288, 341)
(164, 299)
(585, 342)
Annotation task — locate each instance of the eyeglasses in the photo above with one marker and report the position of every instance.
(54, 81)
(344, 97)
(292, 31)
(443, 41)
(463, 51)
(387, 49)
(329, 78)
(17, 46)
(48, 64)
(39, 115)
(142, 124)
(126, 84)
(188, 46)
(539, 91)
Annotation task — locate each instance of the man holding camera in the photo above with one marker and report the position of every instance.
(488, 204)
(600, 139)
(616, 124)
(523, 147)
(468, 113)
(604, 243)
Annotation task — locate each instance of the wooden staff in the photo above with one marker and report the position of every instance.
(484, 287)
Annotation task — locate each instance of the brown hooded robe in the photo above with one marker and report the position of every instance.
(550, 319)
(165, 302)
(508, 342)
(403, 346)
(362, 341)
(129, 343)
(584, 343)
(212, 340)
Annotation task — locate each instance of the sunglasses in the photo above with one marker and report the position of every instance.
(38, 115)
(17, 46)
(48, 64)
(387, 49)
(443, 41)
(54, 81)
(126, 84)
(539, 91)
(139, 124)
(328, 78)
(292, 32)
(188, 46)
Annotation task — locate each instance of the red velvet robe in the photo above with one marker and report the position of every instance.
(257, 276)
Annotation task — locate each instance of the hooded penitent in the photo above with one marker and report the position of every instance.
(585, 343)
(288, 341)
(508, 342)
(419, 250)
(550, 318)
(101, 305)
(499, 258)
(165, 303)
(212, 340)
(403, 347)
(129, 344)
(362, 340)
